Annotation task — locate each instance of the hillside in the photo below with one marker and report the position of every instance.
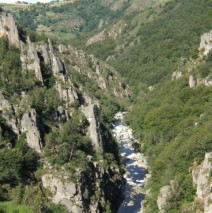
(56, 105)
(78, 20)
(162, 59)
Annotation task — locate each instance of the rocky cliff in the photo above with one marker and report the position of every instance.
(58, 72)
(9, 27)
(89, 193)
(94, 130)
(203, 181)
(166, 194)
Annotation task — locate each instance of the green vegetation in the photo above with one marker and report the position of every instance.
(66, 21)
(65, 142)
(173, 121)
(10, 207)
(175, 34)
(11, 81)
(175, 133)
(68, 143)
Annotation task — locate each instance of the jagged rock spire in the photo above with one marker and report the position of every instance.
(9, 27)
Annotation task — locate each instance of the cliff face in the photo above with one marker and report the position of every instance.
(203, 181)
(54, 68)
(9, 27)
(89, 193)
(94, 131)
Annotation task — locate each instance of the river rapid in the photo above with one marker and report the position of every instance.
(135, 164)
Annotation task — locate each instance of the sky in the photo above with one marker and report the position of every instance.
(30, 1)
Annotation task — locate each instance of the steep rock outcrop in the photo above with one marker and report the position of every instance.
(94, 131)
(101, 36)
(32, 60)
(8, 112)
(29, 125)
(8, 27)
(57, 64)
(203, 181)
(89, 193)
(205, 44)
(63, 191)
(68, 95)
(165, 196)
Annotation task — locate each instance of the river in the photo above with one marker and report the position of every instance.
(135, 164)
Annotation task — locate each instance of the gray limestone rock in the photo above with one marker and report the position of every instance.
(29, 125)
(57, 64)
(63, 191)
(8, 113)
(165, 196)
(43, 49)
(8, 27)
(94, 132)
(205, 44)
(68, 95)
(192, 81)
(202, 179)
(33, 61)
(176, 75)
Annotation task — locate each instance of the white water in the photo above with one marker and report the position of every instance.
(136, 167)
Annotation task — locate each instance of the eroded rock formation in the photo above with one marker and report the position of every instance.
(94, 131)
(29, 125)
(77, 196)
(203, 181)
(9, 27)
(165, 196)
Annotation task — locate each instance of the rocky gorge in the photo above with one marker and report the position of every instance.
(66, 144)
(136, 167)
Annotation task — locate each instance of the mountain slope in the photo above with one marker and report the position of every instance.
(171, 113)
(56, 103)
